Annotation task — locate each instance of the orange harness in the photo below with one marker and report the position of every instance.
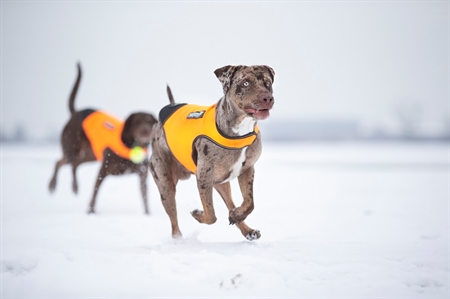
(105, 131)
(188, 123)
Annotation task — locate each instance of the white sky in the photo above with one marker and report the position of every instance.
(339, 60)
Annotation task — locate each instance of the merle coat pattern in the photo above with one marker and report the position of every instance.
(247, 99)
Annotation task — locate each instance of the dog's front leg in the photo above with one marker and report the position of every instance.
(205, 188)
(225, 192)
(246, 184)
(143, 181)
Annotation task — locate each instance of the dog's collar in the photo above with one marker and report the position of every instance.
(254, 132)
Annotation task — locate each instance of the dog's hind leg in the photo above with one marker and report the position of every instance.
(166, 183)
(225, 192)
(100, 178)
(82, 156)
(52, 184)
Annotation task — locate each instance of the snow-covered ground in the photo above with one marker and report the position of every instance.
(337, 220)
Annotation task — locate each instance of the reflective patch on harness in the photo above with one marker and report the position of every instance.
(109, 125)
(196, 114)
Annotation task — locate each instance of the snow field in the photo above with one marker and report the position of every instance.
(337, 220)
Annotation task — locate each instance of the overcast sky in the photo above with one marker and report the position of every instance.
(339, 60)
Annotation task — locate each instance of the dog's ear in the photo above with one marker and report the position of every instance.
(127, 133)
(150, 119)
(271, 72)
(225, 75)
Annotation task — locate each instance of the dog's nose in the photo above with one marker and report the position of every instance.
(266, 97)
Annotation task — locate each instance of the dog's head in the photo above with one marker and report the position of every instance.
(137, 129)
(249, 88)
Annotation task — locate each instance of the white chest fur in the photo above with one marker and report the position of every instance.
(246, 126)
(236, 168)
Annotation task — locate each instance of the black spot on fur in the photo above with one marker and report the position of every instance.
(163, 198)
(203, 186)
(238, 89)
(250, 188)
(260, 77)
(208, 170)
(243, 163)
(205, 150)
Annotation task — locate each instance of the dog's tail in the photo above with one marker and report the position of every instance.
(169, 93)
(74, 91)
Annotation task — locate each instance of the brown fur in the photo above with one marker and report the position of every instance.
(77, 149)
(215, 164)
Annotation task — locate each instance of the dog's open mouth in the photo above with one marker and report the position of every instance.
(259, 114)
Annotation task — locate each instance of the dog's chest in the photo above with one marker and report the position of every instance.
(236, 168)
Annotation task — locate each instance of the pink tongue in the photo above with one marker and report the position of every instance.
(258, 114)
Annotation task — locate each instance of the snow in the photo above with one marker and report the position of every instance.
(337, 220)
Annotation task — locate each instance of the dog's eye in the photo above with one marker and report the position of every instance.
(268, 84)
(246, 83)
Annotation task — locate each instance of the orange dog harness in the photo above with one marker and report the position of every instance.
(105, 131)
(184, 124)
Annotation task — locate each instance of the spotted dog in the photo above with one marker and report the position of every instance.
(216, 143)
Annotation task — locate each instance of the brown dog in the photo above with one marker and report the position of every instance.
(217, 144)
(93, 135)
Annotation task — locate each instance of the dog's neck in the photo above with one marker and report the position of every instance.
(231, 121)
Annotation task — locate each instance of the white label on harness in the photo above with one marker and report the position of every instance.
(196, 114)
(109, 125)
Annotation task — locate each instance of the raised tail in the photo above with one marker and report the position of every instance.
(169, 93)
(74, 91)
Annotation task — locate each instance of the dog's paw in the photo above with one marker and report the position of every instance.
(197, 214)
(253, 235)
(75, 188)
(235, 217)
(201, 217)
(52, 186)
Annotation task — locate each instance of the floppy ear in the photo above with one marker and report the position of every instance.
(127, 135)
(225, 75)
(151, 119)
(271, 71)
